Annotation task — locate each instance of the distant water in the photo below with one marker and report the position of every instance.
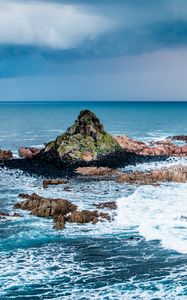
(142, 254)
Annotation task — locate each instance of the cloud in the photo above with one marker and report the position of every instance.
(45, 24)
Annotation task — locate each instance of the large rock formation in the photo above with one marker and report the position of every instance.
(60, 210)
(45, 207)
(84, 140)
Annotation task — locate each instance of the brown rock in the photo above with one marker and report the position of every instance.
(28, 152)
(174, 174)
(59, 221)
(45, 207)
(48, 182)
(86, 216)
(5, 154)
(94, 171)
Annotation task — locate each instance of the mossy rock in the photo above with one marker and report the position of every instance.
(85, 138)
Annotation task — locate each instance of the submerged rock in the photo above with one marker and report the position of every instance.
(85, 140)
(8, 215)
(173, 174)
(5, 155)
(28, 152)
(110, 205)
(48, 182)
(182, 138)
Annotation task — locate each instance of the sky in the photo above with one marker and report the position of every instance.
(93, 50)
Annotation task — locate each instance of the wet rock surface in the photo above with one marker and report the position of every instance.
(182, 138)
(60, 210)
(45, 207)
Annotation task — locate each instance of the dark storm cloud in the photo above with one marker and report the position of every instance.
(85, 29)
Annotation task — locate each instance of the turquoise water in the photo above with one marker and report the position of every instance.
(141, 254)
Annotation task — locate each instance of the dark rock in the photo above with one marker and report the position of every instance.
(6, 214)
(179, 138)
(110, 205)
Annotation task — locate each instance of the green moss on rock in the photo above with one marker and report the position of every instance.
(85, 139)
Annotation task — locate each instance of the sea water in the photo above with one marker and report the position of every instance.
(141, 254)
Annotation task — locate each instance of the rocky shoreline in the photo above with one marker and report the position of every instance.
(87, 152)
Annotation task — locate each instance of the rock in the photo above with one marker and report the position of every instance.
(85, 140)
(45, 207)
(59, 221)
(159, 148)
(5, 155)
(28, 152)
(86, 216)
(48, 182)
(173, 174)
(6, 215)
(179, 138)
(94, 171)
(110, 205)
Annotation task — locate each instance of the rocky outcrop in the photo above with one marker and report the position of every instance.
(48, 182)
(28, 152)
(45, 207)
(5, 155)
(172, 174)
(108, 205)
(85, 140)
(60, 210)
(161, 148)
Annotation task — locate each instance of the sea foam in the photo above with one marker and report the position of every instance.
(158, 213)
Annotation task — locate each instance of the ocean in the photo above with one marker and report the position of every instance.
(141, 254)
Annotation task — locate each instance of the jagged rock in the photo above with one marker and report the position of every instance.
(6, 215)
(5, 154)
(48, 182)
(59, 221)
(45, 207)
(110, 205)
(173, 174)
(160, 148)
(86, 216)
(84, 140)
(28, 152)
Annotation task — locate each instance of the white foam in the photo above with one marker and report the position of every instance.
(157, 213)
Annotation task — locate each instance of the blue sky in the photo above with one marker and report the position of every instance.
(93, 50)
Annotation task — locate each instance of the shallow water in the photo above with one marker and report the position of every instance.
(141, 254)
